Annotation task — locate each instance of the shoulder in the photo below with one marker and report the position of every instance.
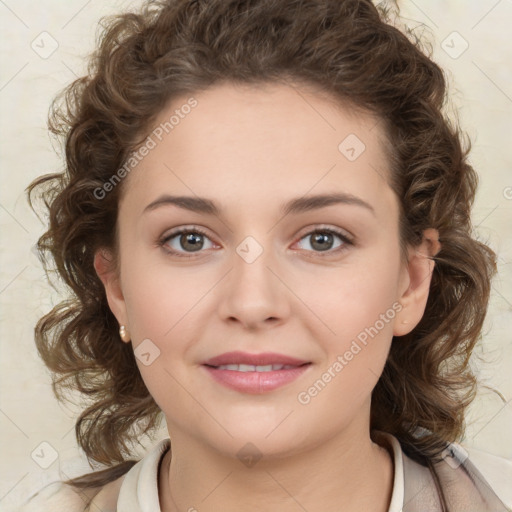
(106, 499)
(59, 496)
(497, 471)
(56, 496)
(471, 480)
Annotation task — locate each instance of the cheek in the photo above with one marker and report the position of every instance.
(358, 309)
(159, 296)
(355, 354)
(162, 311)
(355, 296)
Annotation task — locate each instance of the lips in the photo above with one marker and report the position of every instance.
(247, 359)
(255, 373)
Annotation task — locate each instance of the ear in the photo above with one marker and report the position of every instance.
(105, 268)
(416, 287)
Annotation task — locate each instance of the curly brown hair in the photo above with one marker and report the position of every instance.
(347, 48)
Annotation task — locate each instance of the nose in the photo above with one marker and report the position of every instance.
(253, 293)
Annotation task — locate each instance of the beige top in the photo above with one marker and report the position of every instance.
(466, 488)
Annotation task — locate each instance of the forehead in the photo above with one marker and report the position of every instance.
(243, 144)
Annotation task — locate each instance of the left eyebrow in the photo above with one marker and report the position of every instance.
(308, 203)
(295, 206)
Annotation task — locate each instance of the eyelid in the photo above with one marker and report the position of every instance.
(162, 241)
(346, 237)
(327, 227)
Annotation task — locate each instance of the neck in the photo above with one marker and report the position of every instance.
(345, 473)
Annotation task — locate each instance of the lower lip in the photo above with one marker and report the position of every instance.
(256, 382)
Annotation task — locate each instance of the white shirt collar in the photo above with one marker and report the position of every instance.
(139, 491)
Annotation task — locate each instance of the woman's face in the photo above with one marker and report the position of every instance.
(256, 278)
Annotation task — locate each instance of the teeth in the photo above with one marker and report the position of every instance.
(253, 368)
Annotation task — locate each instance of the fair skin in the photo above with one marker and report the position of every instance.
(251, 149)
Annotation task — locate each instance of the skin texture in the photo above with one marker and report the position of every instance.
(251, 149)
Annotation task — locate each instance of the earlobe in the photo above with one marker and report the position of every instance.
(103, 264)
(419, 273)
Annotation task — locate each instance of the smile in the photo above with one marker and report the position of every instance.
(255, 379)
(253, 368)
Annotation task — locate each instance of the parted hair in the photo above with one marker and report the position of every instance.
(353, 51)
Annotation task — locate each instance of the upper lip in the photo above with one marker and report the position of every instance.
(262, 359)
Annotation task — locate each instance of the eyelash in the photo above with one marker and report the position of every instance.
(196, 230)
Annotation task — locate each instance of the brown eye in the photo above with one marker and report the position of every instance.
(183, 241)
(191, 241)
(324, 240)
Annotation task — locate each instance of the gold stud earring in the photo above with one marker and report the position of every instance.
(123, 333)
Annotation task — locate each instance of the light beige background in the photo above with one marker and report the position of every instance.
(481, 85)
